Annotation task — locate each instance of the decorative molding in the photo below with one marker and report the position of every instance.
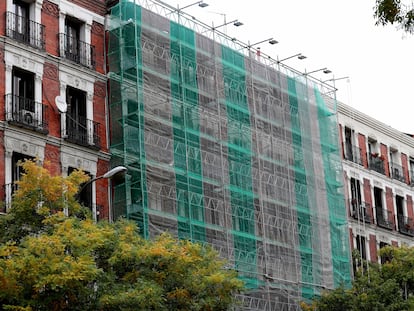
(50, 8)
(100, 89)
(97, 28)
(51, 71)
(30, 148)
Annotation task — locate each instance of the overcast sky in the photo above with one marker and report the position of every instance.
(338, 34)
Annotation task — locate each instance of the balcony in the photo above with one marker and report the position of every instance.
(384, 218)
(25, 31)
(397, 172)
(77, 51)
(361, 211)
(405, 225)
(83, 132)
(376, 163)
(27, 113)
(352, 153)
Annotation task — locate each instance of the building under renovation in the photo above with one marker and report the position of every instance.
(226, 148)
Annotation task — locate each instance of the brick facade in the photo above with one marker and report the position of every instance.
(55, 71)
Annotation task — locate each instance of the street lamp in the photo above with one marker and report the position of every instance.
(270, 41)
(324, 70)
(201, 4)
(234, 22)
(109, 174)
(298, 55)
(335, 79)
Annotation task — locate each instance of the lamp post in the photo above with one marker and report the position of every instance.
(108, 175)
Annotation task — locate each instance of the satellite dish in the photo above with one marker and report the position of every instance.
(61, 104)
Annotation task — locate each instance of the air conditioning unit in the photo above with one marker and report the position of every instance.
(27, 117)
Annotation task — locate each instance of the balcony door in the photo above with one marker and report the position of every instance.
(72, 33)
(356, 199)
(349, 144)
(76, 116)
(23, 105)
(20, 9)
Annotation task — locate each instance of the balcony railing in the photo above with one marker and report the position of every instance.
(27, 113)
(405, 225)
(352, 153)
(384, 218)
(25, 31)
(361, 211)
(376, 163)
(77, 51)
(397, 172)
(83, 132)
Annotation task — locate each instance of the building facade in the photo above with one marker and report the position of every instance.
(225, 148)
(378, 166)
(53, 92)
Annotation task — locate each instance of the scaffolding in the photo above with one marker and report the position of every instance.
(225, 149)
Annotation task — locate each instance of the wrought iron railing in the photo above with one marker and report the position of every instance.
(27, 113)
(397, 172)
(361, 211)
(26, 31)
(384, 218)
(352, 153)
(376, 163)
(405, 225)
(83, 132)
(77, 51)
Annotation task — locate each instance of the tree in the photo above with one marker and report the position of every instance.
(386, 287)
(394, 12)
(64, 262)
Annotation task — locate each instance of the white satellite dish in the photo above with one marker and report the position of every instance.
(61, 104)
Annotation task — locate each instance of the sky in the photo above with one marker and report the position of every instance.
(338, 34)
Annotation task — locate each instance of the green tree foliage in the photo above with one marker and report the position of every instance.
(63, 262)
(386, 287)
(394, 12)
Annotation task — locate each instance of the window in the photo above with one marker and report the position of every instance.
(85, 196)
(23, 105)
(17, 169)
(23, 23)
(405, 224)
(384, 258)
(411, 171)
(20, 21)
(348, 144)
(383, 216)
(76, 123)
(361, 246)
(23, 88)
(359, 210)
(74, 42)
(72, 39)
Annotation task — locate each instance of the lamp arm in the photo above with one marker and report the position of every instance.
(90, 181)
